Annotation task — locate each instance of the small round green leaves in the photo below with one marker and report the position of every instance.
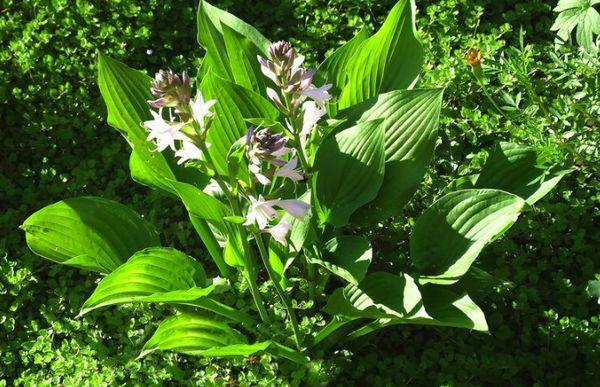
(88, 232)
(449, 236)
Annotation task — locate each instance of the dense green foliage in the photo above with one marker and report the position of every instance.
(544, 326)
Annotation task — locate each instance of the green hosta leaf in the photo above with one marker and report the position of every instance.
(88, 232)
(477, 283)
(149, 271)
(520, 170)
(580, 14)
(191, 334)
(199, 336)
(199, 203)
(347, 257)
(213, 24)
(379, 295)
(444, 308)
(334, 69)
(410, 128)
(125, 92)
(389, 60)
(234, 104)
(451, 309)
(245, 67)
(451, 233)
(349, 170)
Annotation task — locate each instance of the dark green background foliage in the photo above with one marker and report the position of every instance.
(55, 144)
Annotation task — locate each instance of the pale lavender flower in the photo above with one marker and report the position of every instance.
(164, 132)
(262, 211)
(279, 232)
(312, 115)
(296, 208)
(318, 94)
(289, 170)
(274, 97)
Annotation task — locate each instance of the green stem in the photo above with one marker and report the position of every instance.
(250, 267)
(284, 298)
(489, 97)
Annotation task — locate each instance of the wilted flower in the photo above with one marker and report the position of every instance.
(164, 132)
(201, 109)
(263, 211)
(473, 56)
(170, 90)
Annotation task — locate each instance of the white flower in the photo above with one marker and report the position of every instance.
(280, 231)
(318, 94)
(163, 132)
(312, 115)
(201, 108)
(263, 211)
(289, 170)
(189, 151)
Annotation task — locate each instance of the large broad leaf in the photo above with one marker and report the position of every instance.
(334, 69)
(234, 104)
(199, 203)
(449, 235)
(88, 232)
(379, 295)
(245, 68)
(349, 170)
(389, 60)
(214, 34)
(580, 14)
(444, 308)
(447, 308)
(410, 128)
(199, 336)
(520, 170)
(147, 272)
(347, 257)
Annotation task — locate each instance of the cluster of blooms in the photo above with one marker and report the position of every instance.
(267, 152)
(171, 91)
(296, 85)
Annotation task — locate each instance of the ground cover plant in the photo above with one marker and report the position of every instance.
(526, 298)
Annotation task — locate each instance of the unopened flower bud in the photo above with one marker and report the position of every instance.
(170, 90)
(282, 54)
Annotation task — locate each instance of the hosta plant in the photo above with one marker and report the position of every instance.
(278, 167)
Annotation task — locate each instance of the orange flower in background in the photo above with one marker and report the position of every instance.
(473, 56)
